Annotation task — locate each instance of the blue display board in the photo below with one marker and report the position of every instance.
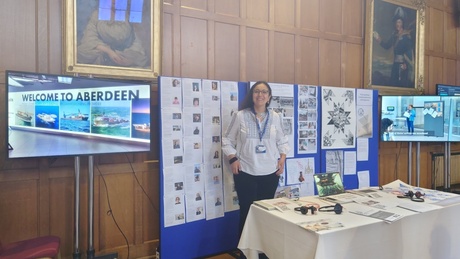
(371, 164)
(202, 238)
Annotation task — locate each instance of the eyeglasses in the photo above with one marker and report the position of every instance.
(264, 92)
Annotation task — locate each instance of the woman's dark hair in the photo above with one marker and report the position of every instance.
(385, 124)
(248, 102)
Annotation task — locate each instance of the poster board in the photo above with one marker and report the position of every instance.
(217, 231)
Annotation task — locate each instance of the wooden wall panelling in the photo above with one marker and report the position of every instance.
(257, 56)
(227, 8)
(195, 4)
(18, 45)
(19, 197)
(450, 35)
(331, 16)
(194, 55)
(435, 72)
(426, 77)
(227, 51)
(119, 194)
(436, 30)
(257, 10)
(61, 208)
(309, 61)
(449, 71)
(55, 36)
(294, 41)
(309, 15)
(43, 35)
(150, 181)
(284, 56)
(396, 162)
(167, 58)
(353, 65)
(457, 72)
(353, 19)
(330, 66)
(211, 49)
(284, 12)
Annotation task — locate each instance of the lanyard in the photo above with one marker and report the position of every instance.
(261, 131)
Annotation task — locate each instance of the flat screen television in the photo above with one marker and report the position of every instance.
(61, 115)
(430, 124)
(447, 90)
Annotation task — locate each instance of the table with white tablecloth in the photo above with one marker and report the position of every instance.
(430, 234)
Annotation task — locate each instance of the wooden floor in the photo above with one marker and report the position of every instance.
(222, 256)
(229, 255)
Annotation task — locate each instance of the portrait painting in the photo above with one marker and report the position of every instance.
(394, 57)
(114, 38)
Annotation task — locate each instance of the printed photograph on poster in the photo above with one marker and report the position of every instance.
(349, 163)
(307, 119)
(174, 203)
(283, 192)
(338, 122)
(334, 161)
(192, 92)
(174, 210)
(300, 170)
(282, 102)
(364, 108)
(171, 95)
(194, 201)
(282, 180)
(214, 204)
(229, 105)
(211, 93)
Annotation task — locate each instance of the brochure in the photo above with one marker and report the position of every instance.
(374, 213)
(320, 225)
(281, 204)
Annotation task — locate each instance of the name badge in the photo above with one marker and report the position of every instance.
(261, 149)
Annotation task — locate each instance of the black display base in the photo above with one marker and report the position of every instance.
(107, 256)
(90, 254)
(10, 147)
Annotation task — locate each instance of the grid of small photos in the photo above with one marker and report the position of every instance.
(307, 119)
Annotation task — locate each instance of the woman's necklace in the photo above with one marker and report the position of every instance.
(261, 115)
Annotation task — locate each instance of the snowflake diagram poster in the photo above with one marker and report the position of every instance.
(338, 122)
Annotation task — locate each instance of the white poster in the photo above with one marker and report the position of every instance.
(338, 121)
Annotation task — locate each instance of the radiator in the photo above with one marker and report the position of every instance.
(437, 169)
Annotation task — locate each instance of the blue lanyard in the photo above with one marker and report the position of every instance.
(261, 132)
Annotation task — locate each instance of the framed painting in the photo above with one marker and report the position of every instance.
(394, 48)
(112, 38)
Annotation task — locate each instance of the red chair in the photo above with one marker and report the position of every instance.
(39, 247)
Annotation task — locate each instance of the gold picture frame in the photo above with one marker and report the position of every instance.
(394, 46)
(107, 41)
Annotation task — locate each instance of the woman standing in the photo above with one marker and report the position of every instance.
(410, 119)
(256, 148)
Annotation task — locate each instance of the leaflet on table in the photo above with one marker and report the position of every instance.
(418, 206)
(346, 197)
(383, 204)
(367, 192)
(281, 204)
(373, 213)
(399, 187)
(320, 225)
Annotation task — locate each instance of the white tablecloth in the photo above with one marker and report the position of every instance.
(433, 234)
